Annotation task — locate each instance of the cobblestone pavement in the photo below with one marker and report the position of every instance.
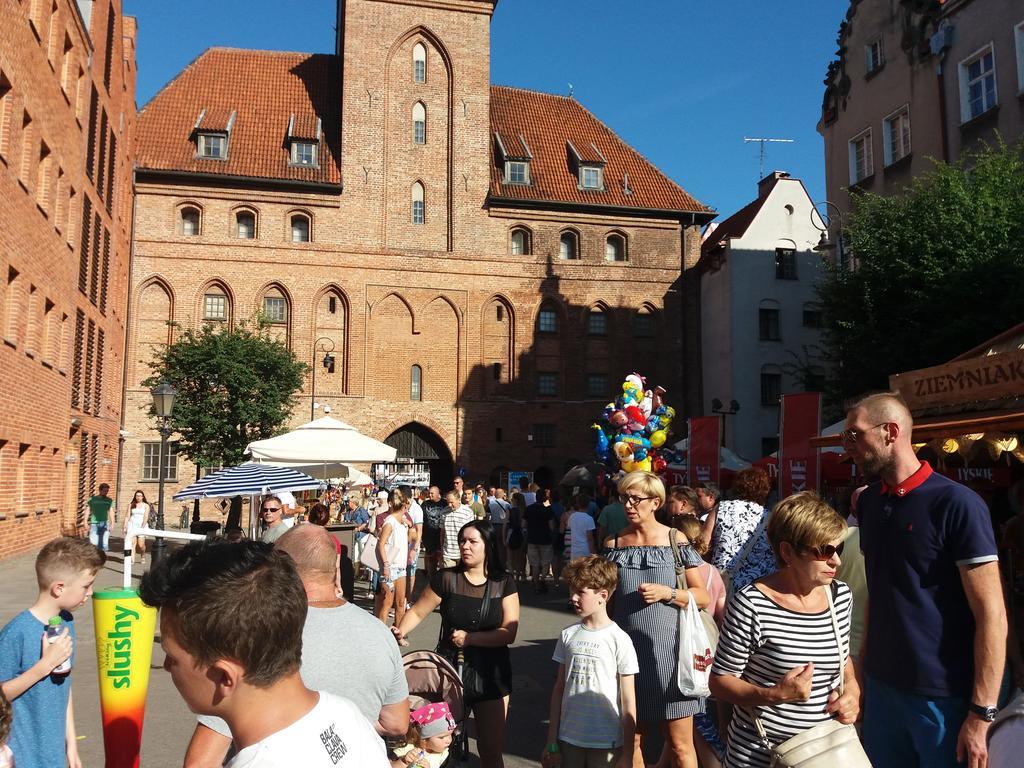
(169, 724)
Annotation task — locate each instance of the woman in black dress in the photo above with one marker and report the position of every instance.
(479, 617)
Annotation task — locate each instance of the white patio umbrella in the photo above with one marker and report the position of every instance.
(729, 460)
(325, 441)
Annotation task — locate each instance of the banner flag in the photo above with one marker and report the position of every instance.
(799, 463)
(703, 457)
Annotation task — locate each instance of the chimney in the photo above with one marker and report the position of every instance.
(764, 186)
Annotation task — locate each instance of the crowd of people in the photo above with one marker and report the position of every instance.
(888, 624)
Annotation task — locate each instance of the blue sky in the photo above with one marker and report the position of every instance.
(682, 81)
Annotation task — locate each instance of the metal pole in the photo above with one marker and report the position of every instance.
(159, 546)
(312, 391)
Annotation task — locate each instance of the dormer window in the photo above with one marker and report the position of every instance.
(591, 177)
(213, 146)
(517, 172)
(303, 153)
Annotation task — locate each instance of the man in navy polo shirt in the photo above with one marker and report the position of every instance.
(936, 632)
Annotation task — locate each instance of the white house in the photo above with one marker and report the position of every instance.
(760, 320)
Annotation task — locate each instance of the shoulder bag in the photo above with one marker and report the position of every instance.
(472, 683)
(825, 745)
(710, 627)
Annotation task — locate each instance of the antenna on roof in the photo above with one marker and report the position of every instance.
(762, 142)
(571, 89)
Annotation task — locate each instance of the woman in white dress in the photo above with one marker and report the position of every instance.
(138, 514)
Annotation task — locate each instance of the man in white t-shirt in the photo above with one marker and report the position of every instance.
(288, 505)
(581, 528)
(231, 622)
(416, 515)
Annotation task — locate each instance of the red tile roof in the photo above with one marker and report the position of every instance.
(264, 88)
(548, 124)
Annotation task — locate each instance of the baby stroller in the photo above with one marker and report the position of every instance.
(432, 677)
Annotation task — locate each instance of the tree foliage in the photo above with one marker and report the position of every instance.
(939, 270)
(234, 386)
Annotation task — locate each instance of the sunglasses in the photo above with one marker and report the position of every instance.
(271, 509)
(825, 551)
(853, 435)
(631, 501)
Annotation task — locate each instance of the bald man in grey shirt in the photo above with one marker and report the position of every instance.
(345, 651)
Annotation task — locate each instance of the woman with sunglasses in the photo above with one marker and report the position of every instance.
(646, 606)
(778, 658)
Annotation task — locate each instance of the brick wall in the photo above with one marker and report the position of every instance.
(65, 125)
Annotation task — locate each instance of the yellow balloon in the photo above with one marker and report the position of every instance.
(644, 465)
(658, 438)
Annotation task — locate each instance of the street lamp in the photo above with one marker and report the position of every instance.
(826, 245)
(328, 363)
(163, 405)
(718, 408)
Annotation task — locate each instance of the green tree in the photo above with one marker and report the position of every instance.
(939, 270)
(234, 386)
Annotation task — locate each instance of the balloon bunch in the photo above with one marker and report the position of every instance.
(633, 430)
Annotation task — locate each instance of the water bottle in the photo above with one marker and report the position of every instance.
(52, 633)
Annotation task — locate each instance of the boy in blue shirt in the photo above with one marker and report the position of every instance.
(41, 698)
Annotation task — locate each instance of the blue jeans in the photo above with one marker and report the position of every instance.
(98, 535)
(905, 730)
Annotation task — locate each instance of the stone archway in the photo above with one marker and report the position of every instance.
(418, 443)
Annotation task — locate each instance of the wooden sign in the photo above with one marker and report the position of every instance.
(966, 381)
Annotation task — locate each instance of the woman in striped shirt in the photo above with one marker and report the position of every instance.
(778, 658)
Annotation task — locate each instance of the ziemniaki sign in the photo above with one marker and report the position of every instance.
(990, 377)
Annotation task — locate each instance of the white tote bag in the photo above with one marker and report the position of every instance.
(695, 656)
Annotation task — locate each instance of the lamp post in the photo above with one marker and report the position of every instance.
(328, 363)
(718, 408)
(826, 245)
(163, 405)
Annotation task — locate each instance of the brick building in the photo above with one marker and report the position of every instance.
(67, 112)
(484, 263)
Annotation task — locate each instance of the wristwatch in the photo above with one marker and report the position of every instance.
(988, 714)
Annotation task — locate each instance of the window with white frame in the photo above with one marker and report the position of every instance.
(896, 135)
(862, 163)
(517, 172)
(303, 153)
(418, 206)
(615, 248)
(275, 309)
(419, 63)
(874, 55)
(1018, 36)
(215, 307)
(591, 177)
(978, 84)
(213, 146)
(245, 225)
(190, 222)
(419, 123)
(151, 462)
(568, 246)
(520, 242)
(300, 228)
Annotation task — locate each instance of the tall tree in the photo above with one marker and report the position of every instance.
(234, 386)
(939, 269)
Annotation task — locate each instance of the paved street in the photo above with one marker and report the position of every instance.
(169, 723)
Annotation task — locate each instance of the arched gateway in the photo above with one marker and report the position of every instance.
(417, 444)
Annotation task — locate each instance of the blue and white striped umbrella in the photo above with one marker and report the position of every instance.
(247, 480)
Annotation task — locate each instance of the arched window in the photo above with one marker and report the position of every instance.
(547, 320)
(416, 384)
(418, 206)
(299, 228)
(644, 326)
(245, 225)
(419, 123)
(216, 305)
(275, 307)
(520, 243)
(568, 245)
(419, 63)
(597, 322)
(615, 248)
(190, 221)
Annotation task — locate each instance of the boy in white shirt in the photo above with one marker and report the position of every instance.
(231, 623)
(593, 704)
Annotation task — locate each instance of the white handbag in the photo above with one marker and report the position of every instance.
(826, 745)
